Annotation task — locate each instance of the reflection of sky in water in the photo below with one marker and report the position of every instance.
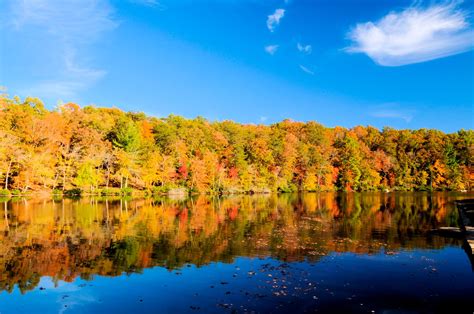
(410, 279)
(51, 297)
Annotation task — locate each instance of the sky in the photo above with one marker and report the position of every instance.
(397, 63)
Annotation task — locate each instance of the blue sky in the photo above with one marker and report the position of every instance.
(401, 63)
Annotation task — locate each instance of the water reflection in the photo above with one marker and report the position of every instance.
(65, 239)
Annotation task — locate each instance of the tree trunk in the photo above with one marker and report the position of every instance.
(108, 176)
(431, 179)
(64, 178)
(55, 179)
(319, 180)
(7, 175)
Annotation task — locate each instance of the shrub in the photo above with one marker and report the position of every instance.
(194, 190)
(16, 192)
(74, 192)
(4, 192)
(127, 191)
(162, 189)
(290, 188)
(110, 191)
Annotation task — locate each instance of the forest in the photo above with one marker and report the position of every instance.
(92, 150)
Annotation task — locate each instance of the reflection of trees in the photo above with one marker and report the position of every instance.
(64, 239)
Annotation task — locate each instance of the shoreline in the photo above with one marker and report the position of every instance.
(145, 194)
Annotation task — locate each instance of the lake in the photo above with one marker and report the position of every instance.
(327, 252)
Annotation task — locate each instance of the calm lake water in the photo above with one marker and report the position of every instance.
(328, 252)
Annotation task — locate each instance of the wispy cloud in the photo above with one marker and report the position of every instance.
(392, 111)
(274, 19)
(72, 26)
(60, 90)
(146, 2)
(74, 22)
(307, 49)
(271, 49)
(149, 3)
(414, 35)
(73, 79)
(306, 70)
(392, 114)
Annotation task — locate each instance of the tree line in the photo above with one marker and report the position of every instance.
(107, 150)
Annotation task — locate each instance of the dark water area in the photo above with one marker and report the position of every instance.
(316, 253)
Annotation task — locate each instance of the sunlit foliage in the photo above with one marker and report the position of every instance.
(91, 149)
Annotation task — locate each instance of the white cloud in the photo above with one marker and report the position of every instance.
(274, 19)
(146, 2)
(307, 49)
(149, 3)
(392, 111)
(73, 21)
(392, 114)
(73, 79)
(271, 49)
(72, 27)
(61, 90)
(414, 35)
(263, 119)
(306, 70)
